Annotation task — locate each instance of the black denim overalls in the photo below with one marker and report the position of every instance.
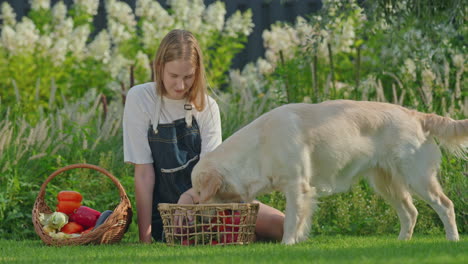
(175, 148)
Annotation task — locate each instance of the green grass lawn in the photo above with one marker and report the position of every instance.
(321, 249)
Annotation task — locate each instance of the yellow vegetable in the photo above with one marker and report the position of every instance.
(55, 220)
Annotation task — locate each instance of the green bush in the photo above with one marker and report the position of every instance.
(57, 48)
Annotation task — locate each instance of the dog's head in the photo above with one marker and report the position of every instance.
(211, 185)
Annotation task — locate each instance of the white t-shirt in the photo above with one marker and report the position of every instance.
(140, 108)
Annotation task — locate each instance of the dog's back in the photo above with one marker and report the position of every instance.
(345, 138)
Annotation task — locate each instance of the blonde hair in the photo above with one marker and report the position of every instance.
(182, 44)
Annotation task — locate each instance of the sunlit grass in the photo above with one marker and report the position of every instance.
(321, 249)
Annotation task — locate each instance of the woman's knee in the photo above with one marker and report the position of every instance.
(269, 225)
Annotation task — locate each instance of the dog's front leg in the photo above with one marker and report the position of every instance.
(292, 218)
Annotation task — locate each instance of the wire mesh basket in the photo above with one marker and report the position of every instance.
(209, 224)
(111, 231)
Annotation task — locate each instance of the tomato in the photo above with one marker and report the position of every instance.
(186, 242)
(86, 231)
(229, 238)
(230, 219)
(237, 218)
(72, 228)
(68, 207)
(69, 196)
(225, 217)
(227, 220)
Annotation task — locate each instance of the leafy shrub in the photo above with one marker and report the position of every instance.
(56, 47)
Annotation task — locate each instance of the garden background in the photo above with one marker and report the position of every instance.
(63, 86)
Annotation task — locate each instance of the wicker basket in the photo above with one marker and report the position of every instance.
(111, 231)
(209, 224)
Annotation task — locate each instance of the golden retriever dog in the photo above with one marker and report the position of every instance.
(311, 150)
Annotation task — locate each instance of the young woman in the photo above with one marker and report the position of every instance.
(168, 125)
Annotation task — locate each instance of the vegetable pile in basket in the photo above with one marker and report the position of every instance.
(71, 219)
(222, 229)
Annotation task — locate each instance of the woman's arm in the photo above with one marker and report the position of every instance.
(210, 127)
(144, 185)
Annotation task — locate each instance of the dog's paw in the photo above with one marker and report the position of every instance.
(288, 241)
(453, 237)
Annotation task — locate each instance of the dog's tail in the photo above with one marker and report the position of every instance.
(452, 134)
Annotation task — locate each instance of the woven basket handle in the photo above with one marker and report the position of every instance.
(41, 194)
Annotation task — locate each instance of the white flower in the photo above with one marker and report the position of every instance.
(247, 81)
(99, 48)
(181, 9)
(281, 39)
(304, 30)
(188, 13)
(26, 35)
(458, 60)
(428, 76)
(239, 23)
(149, 34)
(214, 15)
(59, 51)
(142, 64)
(59, 12)
(9, 39)
(122, 13)
(89, 6)
(238, 82)
(152, 12)
(345, 40)
(410, 68)
(264, 66)
(118, 32)
(194, 20)
(271, 56)
(119, 67)
(39, 4)
(307, 100)
(147, 9)
(44, 44)
(152, 35)
(8, 15)
(77, 41)
(63, 29)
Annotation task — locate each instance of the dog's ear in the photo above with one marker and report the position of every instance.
(210, 183)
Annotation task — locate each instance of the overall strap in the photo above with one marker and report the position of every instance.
(157, 113)
(188, 114)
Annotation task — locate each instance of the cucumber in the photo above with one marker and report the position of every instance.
(102, 218)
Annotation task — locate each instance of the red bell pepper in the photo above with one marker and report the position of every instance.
(72, 228)
(68, 201)
(69, 196)
(85, 216)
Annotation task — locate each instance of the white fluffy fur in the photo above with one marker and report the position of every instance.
(312, 150)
